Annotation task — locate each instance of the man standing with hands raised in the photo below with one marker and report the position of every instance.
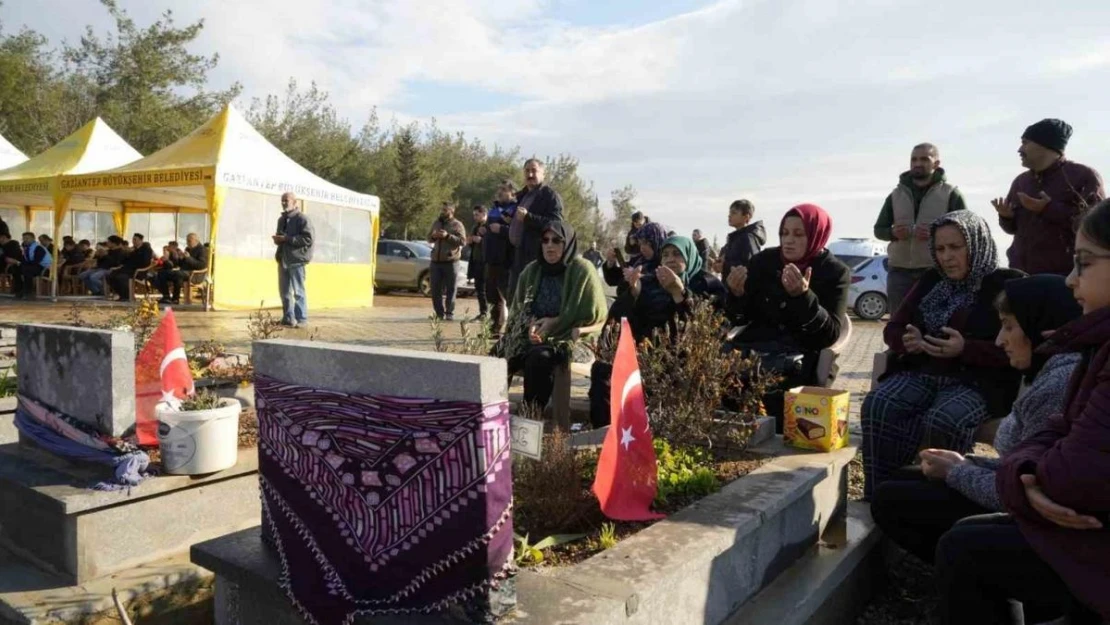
(1044, 203)
(923, 194)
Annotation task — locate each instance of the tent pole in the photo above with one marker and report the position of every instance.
(61, 207)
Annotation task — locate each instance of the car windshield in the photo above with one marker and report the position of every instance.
(863, 265)
(423, 250)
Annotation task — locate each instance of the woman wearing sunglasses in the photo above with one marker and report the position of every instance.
(558, 293)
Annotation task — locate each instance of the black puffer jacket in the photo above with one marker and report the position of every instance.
(812, 321)
(742, 245)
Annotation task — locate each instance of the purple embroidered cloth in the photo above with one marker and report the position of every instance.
(383, 504)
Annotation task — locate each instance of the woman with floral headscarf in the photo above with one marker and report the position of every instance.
(650, 238)
(947, 375)
(791, 301)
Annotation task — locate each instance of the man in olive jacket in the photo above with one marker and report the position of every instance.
(294, 241)
(922, 196)
(447, 237)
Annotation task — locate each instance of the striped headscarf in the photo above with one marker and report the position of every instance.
(949, 295)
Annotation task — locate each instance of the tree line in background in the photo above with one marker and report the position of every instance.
(146, 84)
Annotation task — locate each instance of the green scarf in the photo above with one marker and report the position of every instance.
(689, 251)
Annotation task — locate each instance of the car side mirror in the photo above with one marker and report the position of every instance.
(409, 254)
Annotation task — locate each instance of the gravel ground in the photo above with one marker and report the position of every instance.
(909, 595)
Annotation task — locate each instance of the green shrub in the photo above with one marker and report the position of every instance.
(685, 473)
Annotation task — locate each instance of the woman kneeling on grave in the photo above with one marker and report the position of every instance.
(555, 296)
(790, 302)
(916, 508)
(946, 375)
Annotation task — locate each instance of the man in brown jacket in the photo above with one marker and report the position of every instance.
(447, 237)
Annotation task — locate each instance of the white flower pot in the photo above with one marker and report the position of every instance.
(197, 442)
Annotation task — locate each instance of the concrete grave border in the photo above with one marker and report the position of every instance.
(696, 567)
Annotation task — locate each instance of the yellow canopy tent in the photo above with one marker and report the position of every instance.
(9, 154)
(33, 185)
(228, 170)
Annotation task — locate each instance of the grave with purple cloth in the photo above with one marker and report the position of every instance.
(386, 489)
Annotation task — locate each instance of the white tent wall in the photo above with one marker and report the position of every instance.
(341, 273)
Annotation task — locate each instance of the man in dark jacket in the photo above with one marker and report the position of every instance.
(108, 256)
(498, 253)
(294, 241)
(745, 241)
(4, 228)
(922, 196)
(178, 264)
(11, 257)
(476, 266)
(1044, 203)
(537, 206)
(447, 237)
(141, 257)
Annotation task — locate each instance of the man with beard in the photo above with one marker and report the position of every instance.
(537, 206)
(923, 194)
(1045, 202)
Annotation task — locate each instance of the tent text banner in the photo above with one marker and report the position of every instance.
(170, 178)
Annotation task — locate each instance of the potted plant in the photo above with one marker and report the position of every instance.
(199, 434)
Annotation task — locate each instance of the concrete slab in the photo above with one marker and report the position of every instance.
(695, 567)
(382, 370)
(86, 374)
(830, 585)
(51, 517)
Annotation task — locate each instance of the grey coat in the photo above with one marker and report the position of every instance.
(297, 248)
(1044, 398)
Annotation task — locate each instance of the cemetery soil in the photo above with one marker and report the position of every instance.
(729, 465)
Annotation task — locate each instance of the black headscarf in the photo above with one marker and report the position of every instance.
(565, 232)
(1041, 303)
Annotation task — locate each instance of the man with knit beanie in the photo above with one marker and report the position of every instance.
(1044, 204)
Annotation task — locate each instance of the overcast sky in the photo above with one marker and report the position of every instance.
(695, 103)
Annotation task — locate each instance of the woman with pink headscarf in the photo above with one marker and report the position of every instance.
(790, 301)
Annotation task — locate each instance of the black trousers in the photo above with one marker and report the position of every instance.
(479, 276)
(23, 279)
(174, 277)
(985, 566)
(121, 283)
(538, 365)
(496, 281)
(915, 511)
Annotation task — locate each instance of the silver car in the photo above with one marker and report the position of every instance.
(406, 265)
(867, 293)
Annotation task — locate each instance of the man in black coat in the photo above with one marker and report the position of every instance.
(141, 256)
(537, 206)
(178, 264)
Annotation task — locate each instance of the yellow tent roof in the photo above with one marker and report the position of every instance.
(9, 155)
(226, 151)
(93, 147)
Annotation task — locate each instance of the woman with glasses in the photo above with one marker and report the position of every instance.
(556, 294)
(1053, 549)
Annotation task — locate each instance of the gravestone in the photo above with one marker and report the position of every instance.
(86, 374)
(386, 477)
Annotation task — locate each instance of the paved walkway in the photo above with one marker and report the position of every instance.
(395, 321)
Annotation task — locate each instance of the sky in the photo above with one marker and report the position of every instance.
(695, 103)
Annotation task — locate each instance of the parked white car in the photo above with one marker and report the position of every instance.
(867, 293)
(853, 251)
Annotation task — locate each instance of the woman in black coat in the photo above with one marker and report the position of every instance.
(790, 302)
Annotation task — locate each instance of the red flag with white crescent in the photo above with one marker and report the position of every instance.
(627, 473)
(161, 376)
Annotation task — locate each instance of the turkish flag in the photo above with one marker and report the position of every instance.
(627, 472)
(161, 375)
